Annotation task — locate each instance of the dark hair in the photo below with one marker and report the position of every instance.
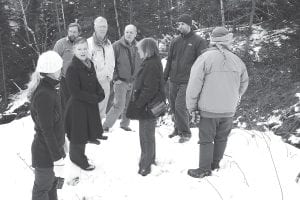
(75, 25)
(79, 40)
(149, 47)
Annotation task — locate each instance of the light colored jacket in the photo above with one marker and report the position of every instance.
(104, 61)
(217, 81)
(65, 49)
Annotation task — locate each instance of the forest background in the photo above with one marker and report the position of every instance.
(29, 27)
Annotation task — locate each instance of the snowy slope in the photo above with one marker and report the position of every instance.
(247, 170)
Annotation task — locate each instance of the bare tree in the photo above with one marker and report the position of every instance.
(57, 16)
(250, 26)
(4, 95)
(130, 12)
(117, 18)
(222, 13)
(63, 14)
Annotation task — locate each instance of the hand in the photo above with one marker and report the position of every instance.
(195, 116)
(58, 168)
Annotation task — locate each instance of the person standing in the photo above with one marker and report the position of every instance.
(64, 47)
(184, 50)
(82, 119)
(47, 147)
(218, 80)
(102, 54)
(148, 89)
(127, 63)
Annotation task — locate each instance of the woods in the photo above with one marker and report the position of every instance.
(29, 27)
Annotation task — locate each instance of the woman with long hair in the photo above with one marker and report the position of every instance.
(47, 146)
(82, 119)
(148, 89)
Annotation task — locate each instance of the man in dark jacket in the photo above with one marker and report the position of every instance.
(127, 62)
(184, 50)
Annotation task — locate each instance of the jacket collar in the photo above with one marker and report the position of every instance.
(125, 43)
(185, 36)
(49, 82)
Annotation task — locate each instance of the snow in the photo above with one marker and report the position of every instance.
(248, 171)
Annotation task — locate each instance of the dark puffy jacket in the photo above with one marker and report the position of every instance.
(184, 50)
(45, 108)
(148, 87)
(82, 119)
(127, 61)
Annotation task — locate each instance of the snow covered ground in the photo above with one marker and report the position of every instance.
(256, 166)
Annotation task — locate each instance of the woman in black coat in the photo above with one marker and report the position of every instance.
(148, 89)
(47, 147)
(82, 119)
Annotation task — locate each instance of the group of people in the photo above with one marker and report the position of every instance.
(205, 85)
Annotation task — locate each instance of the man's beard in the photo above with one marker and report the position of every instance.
(72, 38)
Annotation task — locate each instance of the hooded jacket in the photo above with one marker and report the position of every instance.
(218, 79)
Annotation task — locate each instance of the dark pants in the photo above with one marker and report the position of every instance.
(44, 187)
(147, 142)
(77, 155)
(178, 107)
(213, 134)
(64, 93)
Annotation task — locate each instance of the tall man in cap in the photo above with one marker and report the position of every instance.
(102, 54)
(218, 80)
(184, 50)
(127, 62)
(64, 47)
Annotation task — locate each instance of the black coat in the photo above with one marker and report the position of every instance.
(45, 108)
(82, 118)
(148, 89)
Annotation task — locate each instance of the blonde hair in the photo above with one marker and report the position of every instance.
(149, 47)
(35, 79)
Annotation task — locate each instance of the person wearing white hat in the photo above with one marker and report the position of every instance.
(47, 147)
(217, 81)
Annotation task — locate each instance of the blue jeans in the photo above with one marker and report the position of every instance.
(147, 142)
(178, 108)
(213, 134)
(44, 187)
(122, 92)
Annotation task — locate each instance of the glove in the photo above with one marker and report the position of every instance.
(58, 168)
(195, 116)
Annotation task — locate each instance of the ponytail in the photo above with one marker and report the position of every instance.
(33, 83)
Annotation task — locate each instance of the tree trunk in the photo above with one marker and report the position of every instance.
(117, 18)
(222, 13)
(57, 17)
(130, 12)
(26, 27)
(4, 94)
(63, 14)
(250, 26)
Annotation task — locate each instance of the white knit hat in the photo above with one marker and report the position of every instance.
(221, 35)
(49, 62)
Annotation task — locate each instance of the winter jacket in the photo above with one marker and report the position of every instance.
(217, 82)
(64, 47)
(45, 108)
(103, 59)
(148, 87)
(127, 60)
(184, 50)
(82, 119)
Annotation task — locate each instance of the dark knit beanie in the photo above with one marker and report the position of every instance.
(186, 19)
